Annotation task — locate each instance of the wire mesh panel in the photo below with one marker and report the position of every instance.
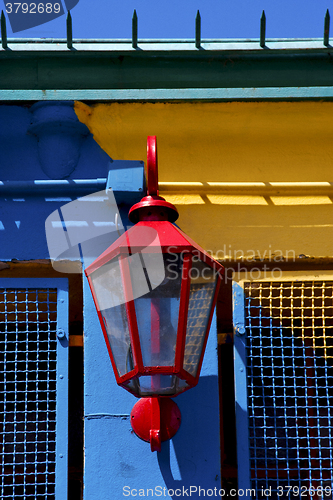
(289, 357)
(28, 390)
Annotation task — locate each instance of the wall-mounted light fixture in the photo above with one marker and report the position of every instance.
(155, 291)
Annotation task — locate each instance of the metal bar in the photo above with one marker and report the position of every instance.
(155, 95)
(135, 30)
(198, 31)
(327, 29)
(3, 31)
(263, 29)
(69, 30)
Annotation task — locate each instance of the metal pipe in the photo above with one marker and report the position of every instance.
(59, 187)
(237, 188)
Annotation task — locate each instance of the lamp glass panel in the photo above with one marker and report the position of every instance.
(202, 289)
(157, 312)
(150, 385)
(108, 288)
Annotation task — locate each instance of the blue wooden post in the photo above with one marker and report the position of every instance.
(62, 389)
(117, 462)
(242, 421)
(43, 414)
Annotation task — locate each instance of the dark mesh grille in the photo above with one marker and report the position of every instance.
(290, 387)
(28, 349)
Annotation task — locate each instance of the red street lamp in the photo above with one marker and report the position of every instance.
(155, 291)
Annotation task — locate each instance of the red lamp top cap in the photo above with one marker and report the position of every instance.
(153, 208)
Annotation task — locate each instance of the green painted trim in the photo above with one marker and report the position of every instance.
(165, 70)
(274, 93)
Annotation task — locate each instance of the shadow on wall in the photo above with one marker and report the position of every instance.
(42, 142)
(47, 141)
(22, 231)
(186, 461)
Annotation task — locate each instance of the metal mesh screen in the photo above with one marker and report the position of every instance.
(28, 349)
(290, 387)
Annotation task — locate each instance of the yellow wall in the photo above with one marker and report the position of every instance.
(233, 142)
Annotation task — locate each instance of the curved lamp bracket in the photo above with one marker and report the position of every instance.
(152, 168)
(152, 201)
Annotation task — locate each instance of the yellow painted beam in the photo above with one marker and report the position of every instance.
(248, 178)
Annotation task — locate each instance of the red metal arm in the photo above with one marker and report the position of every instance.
(152, 169)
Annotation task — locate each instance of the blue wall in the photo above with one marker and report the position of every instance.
(116, 457)
(46, 137)
(47, 142)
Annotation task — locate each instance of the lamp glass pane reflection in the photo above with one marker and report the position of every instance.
(202, 290)
(157, 316)
(109, 294)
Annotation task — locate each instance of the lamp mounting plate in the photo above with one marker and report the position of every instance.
(155, 420)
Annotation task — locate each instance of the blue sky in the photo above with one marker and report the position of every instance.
(176, 19)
